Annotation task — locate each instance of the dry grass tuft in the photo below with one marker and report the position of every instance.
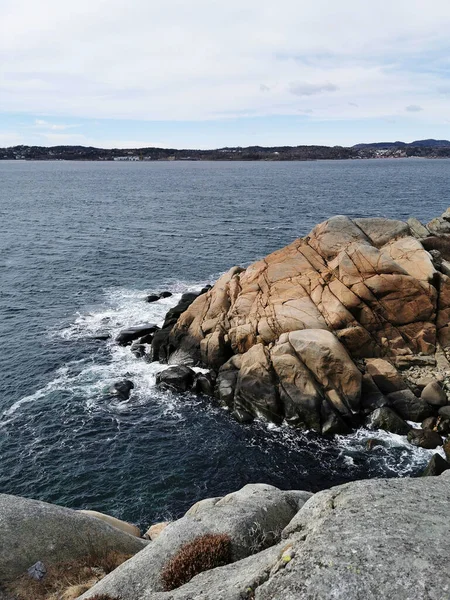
(68, 580)
(202, 554)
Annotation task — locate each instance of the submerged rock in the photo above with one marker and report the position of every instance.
(121, 389)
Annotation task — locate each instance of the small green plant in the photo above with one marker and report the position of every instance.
(202, 554)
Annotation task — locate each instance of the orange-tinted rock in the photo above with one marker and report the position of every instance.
(367, 284)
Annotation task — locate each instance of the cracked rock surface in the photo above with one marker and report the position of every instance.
(353, 289)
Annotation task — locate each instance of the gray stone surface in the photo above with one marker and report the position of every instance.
(371, 540)
(32, 531)
(253, 517)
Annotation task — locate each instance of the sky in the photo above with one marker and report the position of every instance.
(210, 74)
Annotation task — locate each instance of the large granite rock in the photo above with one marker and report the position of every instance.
(379, 538)
(253, 517)
(376, 539)
(366, 288)
(32, 531)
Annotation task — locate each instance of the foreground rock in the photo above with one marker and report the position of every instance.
(296, 335)
(376, 539)
(32, 531)
(253, 518)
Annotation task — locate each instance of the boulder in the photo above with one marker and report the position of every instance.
(444, 411)
(165, 294)
(425, 438)
(430, 423)
(434, 394)
(436, 466)
(204, 383)
(117, 523)
(152, 298)
(139, 350)
(371, 397)
(253, 517)
(155, 530)
(408, 406)
(385, 375)
(179, 379)
(127, 336)
(388, 420)
(32, 531)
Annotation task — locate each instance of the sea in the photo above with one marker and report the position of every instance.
(81, 246)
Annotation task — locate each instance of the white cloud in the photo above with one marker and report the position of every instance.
(413, 108)
(206, 59)
(41, 124)
(299, 88)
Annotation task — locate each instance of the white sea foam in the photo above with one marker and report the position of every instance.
(90, 380)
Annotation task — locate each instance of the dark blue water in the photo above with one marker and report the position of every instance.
(80, 246)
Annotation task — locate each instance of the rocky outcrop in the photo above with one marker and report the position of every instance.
(253, 518)
(32, 531)
(301, 334)
(380, 538)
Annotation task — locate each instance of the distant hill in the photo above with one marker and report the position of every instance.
(419, 149)
(416, 144)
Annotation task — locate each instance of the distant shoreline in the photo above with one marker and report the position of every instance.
(419, 149)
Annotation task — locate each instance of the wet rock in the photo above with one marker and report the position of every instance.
(152, 298)
(159, 350)
(436, 466)
(165, 294)
(409, 407)
(424, 438)
(429, 423)
(227, 380)
(127, 336)
(179, 378)
(447, 449)
(388, 420)
(204, 384)
(443, 425)
(121, 389)
(138, 349)
(434, 394)
(242, 416)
